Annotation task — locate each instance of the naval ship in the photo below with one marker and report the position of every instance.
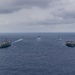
(8, 43)
(70, 43)
(5, 44)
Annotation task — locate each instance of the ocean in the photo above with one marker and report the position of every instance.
(44, 55)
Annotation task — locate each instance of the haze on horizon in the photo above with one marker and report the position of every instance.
(37, 15)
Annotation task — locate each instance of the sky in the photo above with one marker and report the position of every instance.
(37, 15)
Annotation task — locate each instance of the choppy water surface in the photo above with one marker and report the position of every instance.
(38, 56)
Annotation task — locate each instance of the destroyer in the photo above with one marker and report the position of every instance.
(8, 43)
(70, 43)
(5, 44)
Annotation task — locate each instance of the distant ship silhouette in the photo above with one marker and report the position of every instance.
(39, 38)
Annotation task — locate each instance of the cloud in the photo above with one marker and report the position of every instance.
(65, 9)
(9, 6)
(36, 14)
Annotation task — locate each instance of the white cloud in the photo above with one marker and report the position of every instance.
(56, 16)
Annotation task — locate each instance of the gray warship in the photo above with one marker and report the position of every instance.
(70, 43)
(5, 44)
(8, 43)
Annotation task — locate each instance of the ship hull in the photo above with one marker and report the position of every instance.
(70, 44)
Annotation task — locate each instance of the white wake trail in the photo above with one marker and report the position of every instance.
(17, 41)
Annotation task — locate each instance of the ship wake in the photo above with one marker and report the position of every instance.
(17, 41)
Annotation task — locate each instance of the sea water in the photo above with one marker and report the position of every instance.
(47, 56)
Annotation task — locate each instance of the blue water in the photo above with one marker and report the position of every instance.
(47, 56)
